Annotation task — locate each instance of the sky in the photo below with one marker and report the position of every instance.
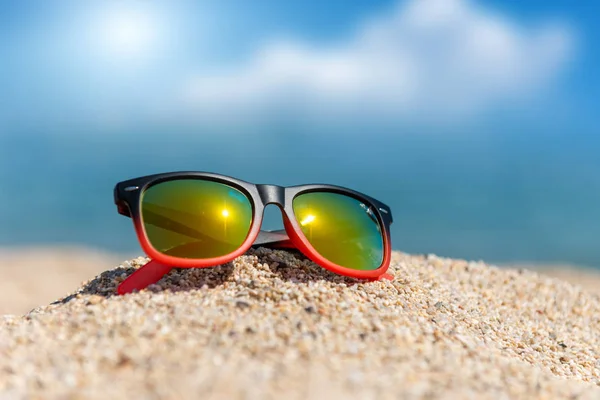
(115, 65)
(476, 120)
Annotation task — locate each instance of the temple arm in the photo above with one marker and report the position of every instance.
(153, 271)
(146, 275)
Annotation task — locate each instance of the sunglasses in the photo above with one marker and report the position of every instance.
(198, 220)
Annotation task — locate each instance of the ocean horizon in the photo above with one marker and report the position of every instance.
(499, 198)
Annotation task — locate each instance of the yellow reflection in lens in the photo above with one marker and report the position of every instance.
(347, 231)
(309, 218)
(225, 213)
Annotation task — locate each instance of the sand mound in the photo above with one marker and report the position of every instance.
(273, 325)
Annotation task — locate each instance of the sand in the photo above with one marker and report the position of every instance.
(273, 325)
(32, 276)
(585, 277)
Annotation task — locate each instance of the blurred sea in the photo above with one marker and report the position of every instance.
(497, 197)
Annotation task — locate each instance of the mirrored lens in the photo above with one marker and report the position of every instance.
(192, 218)
(342, 229)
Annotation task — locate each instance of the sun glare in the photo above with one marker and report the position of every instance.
(309, 218)
(128, 32)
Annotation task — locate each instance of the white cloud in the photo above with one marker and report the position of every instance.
(426, 59)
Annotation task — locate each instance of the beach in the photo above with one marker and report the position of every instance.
(35, 276)
(272, 324)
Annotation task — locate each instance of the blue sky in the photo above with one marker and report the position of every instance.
(106, 64)
(476, 120)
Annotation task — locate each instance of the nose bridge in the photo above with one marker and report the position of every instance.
(271, 194)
